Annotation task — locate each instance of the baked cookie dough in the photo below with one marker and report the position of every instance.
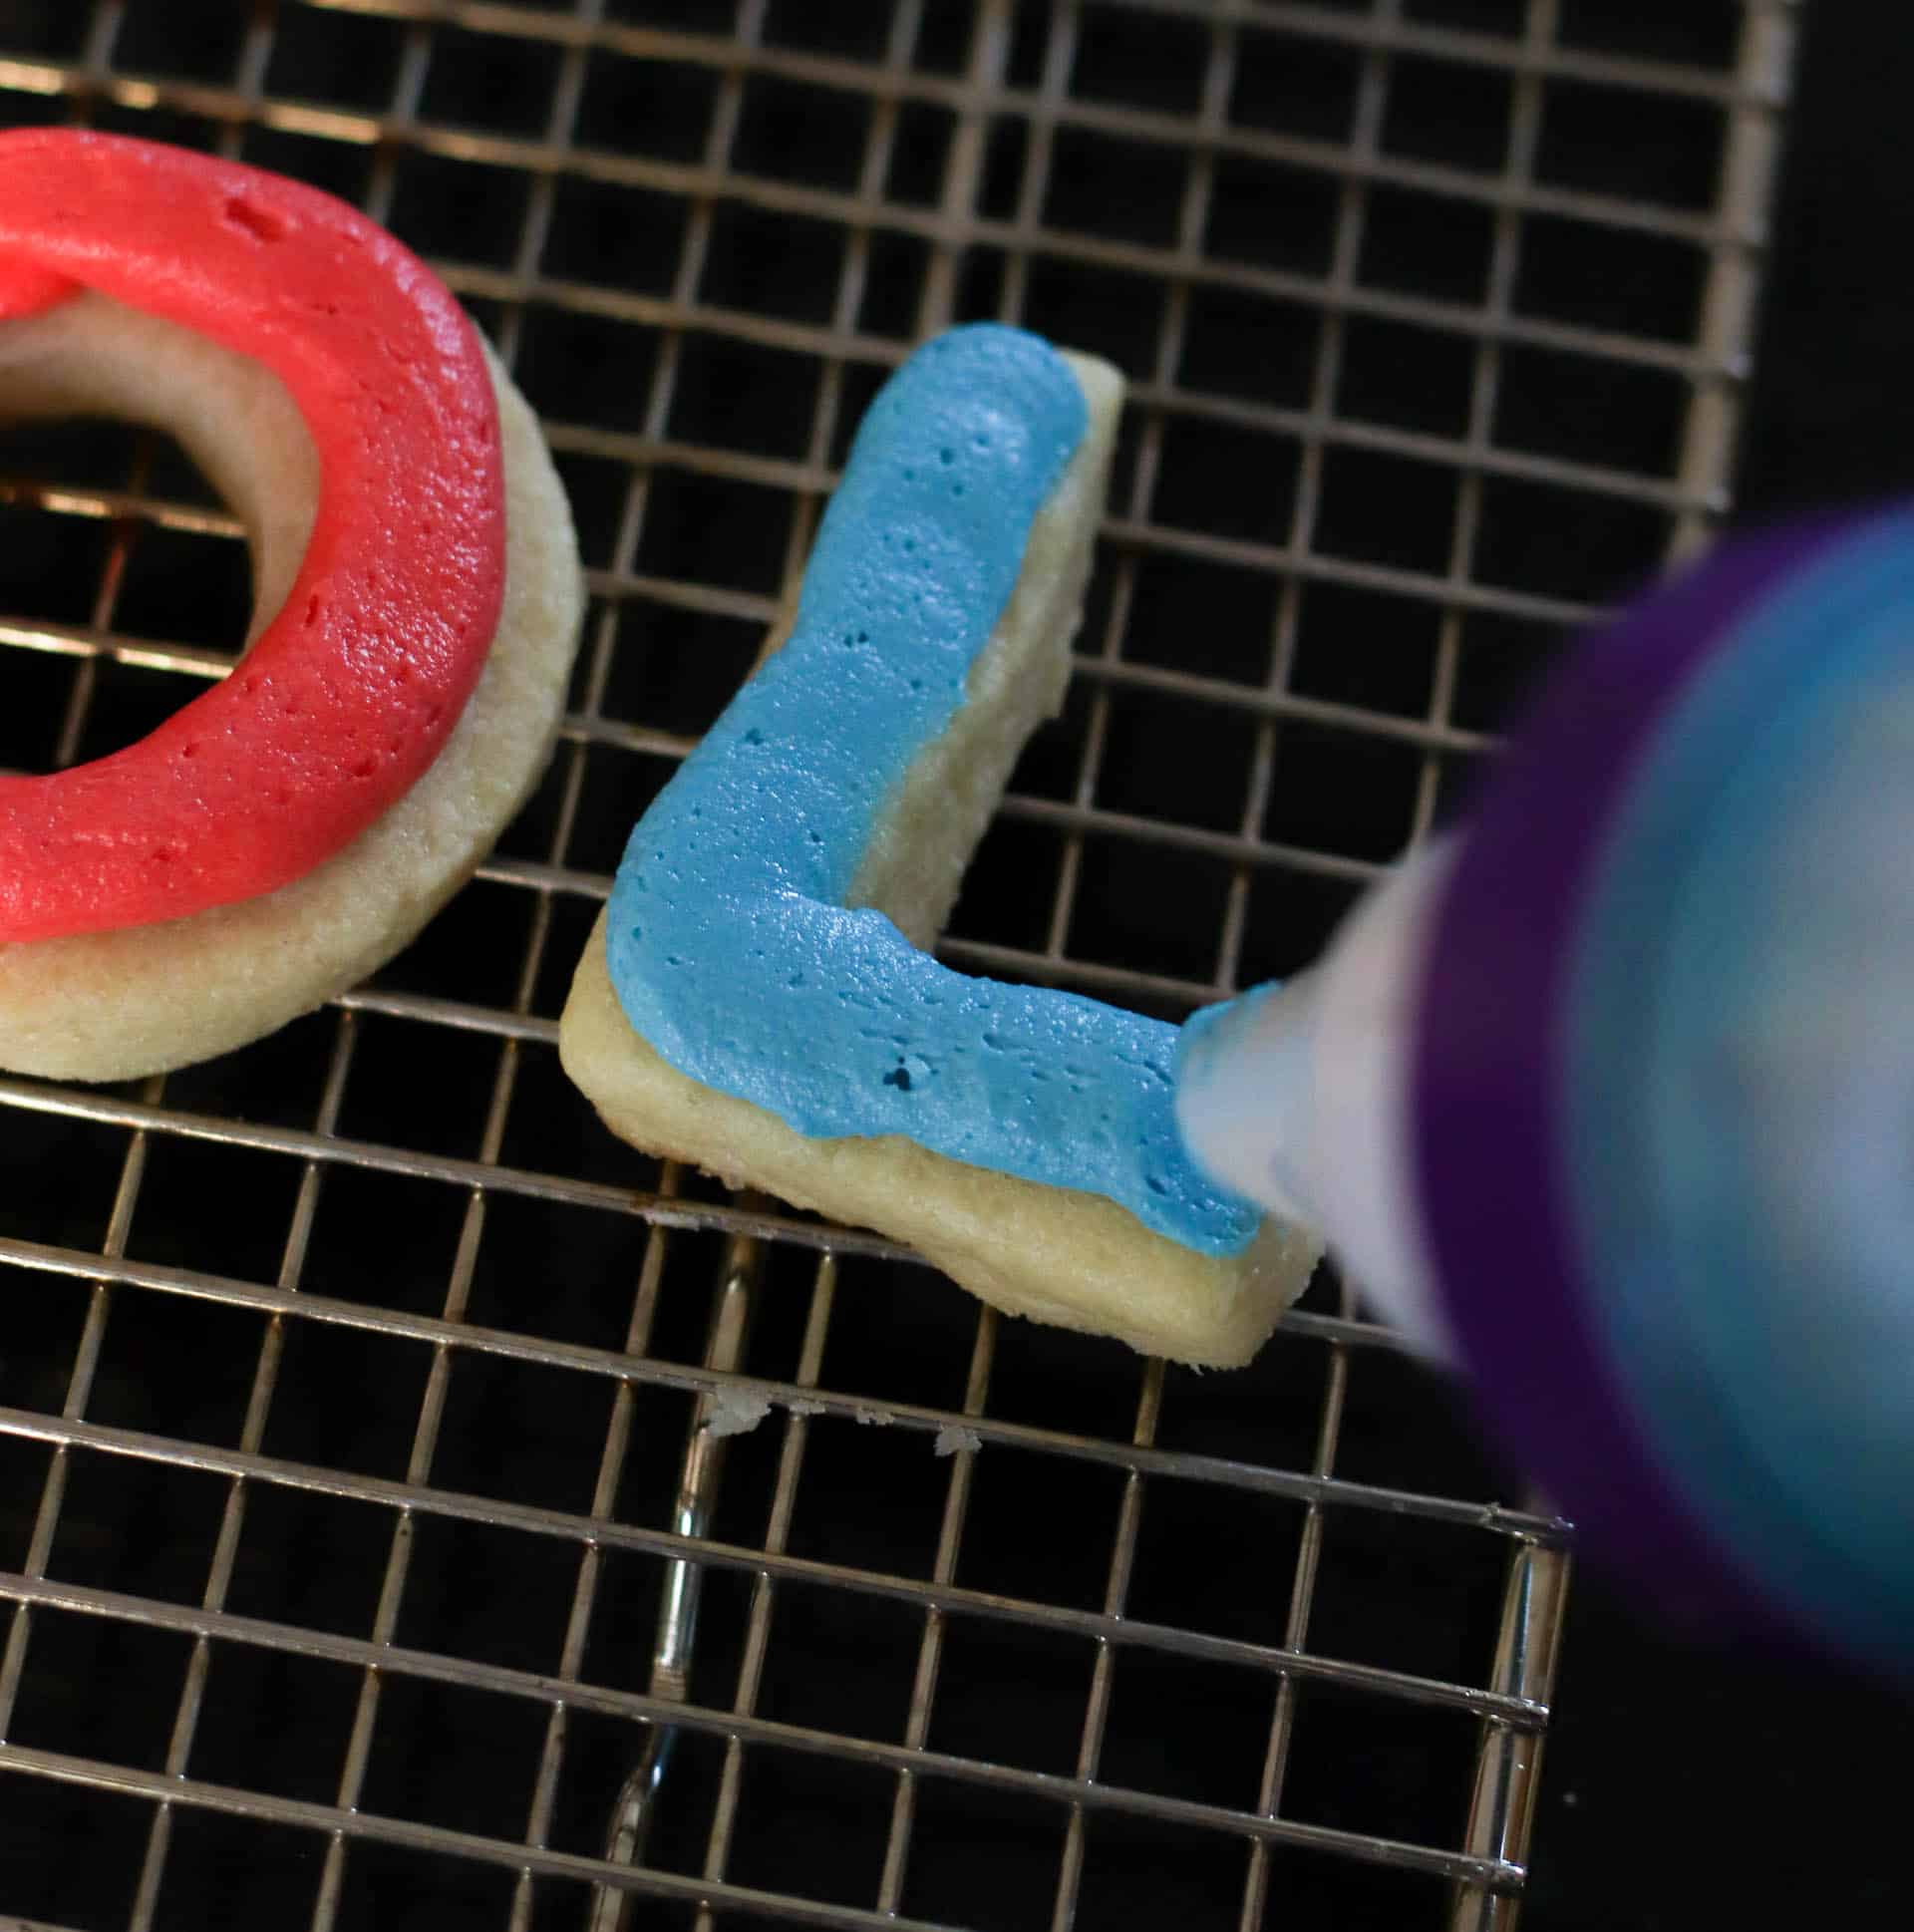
(754, 1001)
(144, 995)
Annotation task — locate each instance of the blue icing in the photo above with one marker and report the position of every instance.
(730, 946)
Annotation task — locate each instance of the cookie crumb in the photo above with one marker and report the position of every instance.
(733, 1412)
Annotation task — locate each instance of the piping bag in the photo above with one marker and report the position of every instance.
(1607, 1099)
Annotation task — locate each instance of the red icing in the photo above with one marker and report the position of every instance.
(351, 691)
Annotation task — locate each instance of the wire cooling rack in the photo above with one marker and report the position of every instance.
(418, 1511)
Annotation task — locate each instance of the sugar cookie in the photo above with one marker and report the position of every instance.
(418, 595)
(754, 1000)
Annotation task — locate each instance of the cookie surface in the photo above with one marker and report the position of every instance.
(117, 1004)
(1058, 1253)
(1053, 1254)
(360, 674)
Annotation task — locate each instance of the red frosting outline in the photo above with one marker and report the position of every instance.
(353, 688)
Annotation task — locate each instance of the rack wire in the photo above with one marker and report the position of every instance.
(415, 1509)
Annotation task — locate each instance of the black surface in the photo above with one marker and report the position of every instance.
(1682, 1790)
(1685, 1789)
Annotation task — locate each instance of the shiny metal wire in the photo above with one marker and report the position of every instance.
(1477, 1877)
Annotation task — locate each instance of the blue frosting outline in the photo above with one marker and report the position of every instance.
(729, 943)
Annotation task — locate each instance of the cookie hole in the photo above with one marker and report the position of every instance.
(262, 223)
(313, 608)
(900, 1078)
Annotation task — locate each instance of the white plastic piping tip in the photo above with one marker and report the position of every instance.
(1297, 1098)
(1243, 1104)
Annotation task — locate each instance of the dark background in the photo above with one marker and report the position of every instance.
(1682, 1790)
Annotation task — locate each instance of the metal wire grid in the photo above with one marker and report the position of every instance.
(1308, 1535)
